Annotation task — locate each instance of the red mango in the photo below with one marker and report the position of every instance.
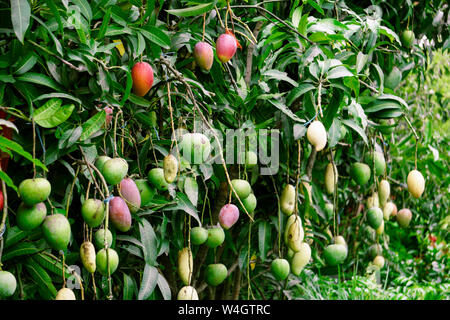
(142, 75)
(228, 215)
(130, 192)
(204, 55)
(119, 214)
(226, 47)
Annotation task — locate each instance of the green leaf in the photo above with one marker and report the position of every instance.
(26, 63)
(84, 8)
(20, 249)
(191, 189)
(394, 97)
(192, 11)
(14, 235)
(52, 265)
(316, 6)
(184, 204)
(164, 287)
(279, 75)
(148, 283)
(41, 277)
(148, 240)
(52, 114)
(264, 236)
(105, 22)
(156, 36)
(20, 17)
(129, 287)
(57, 95)
(339, 72)
(14, 146)
(297, 92)
(352, 124)
(93, 125)
(40, 79)
(140, 101)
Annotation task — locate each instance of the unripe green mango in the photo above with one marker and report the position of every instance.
(33, 191)
(375, 217)
(65, 294)
(195, 147)
(242, 188)
(360, 172)
(288, 199)
(130, 193)
(250, 203)
(93, 212)
(374, 250)
(187, 293)
(170, 167)
(101, 261)
(384, 191)
(215, 274)
(386, 126)
(100, 162)
(146, 191)
(404, 217)
(185, 265)
(331, 178)
(280, 268)
(156, 179)
(300, 259)
(87, 256)
(30, 217)
(407, 38)
(335, 254)
(114, 170)
(8, 284)
(216, 236)
(340, 240)
(393, 79)
(56, 230)
(329, 210)
(199, 235)
(380, 162)
(251, 159)
(99, 238)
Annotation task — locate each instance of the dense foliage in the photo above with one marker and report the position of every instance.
(68, 96)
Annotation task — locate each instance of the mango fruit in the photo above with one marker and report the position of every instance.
(380, 162)
(99, 238)
(215, 274)
(280, 268)
(360, 172)
(388, 209)
(242, 188)
(250, 203)
(373, 201)
(8, 284)
(187, 293)
(404, 217)
(384, 191)
(317, 135)
(199, 235)
(100, 163)
(195, 147)
(375, 217)
(331, 178)
(393, 79)
(185, 265)
(33, 191)
(329, 210)
(119, 214)
(130, 193)
(225, 47)
(416, 183)
(387, 126)
(340, 240)
(142, 76)
(294, 233)
(335, 254)
(56, 230)
(306, 190)
(251, 159)
(93, 212)
(30, 217)
(379, 261)
(380, 229)
(102, 263)
(203, 55)
(156, 179)
(170, 167)
(146, 191)
(288, 199)
(65, 294)
(228, 215)
(407, 38)
(300, 259)
(87, 256)
(374, 250)
(114, 170)
(216, 236)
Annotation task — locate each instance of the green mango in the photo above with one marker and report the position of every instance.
(114, 170)
(250, 203)
(99, 238)
(215, 274)
(216, 236)
(329, 210)
(360, 172)
(242, 188)
(375, 217)
(157, 179)
(87, 256)
(280, 268)
(386, 126)
(30, 217)
(195, 147)
(100, 162)
(102, 262)
(335, 254)
(146, 191)
(93, 212)
(404, 217)
(380, 162)
(393, 79)
(8, 284)
(56, 230)
(407, 38)
(170, 167)
(374, 250)
(199, 235)
(33, 191)
(251, 159)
